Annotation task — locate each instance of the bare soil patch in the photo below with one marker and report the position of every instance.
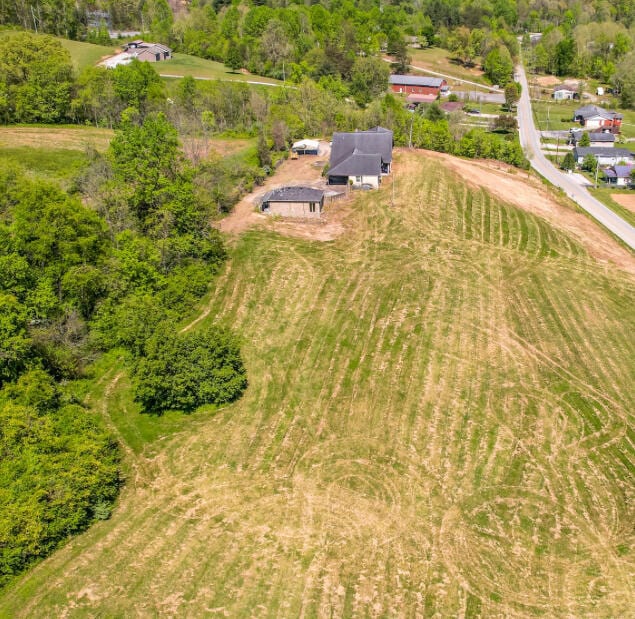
(306, 170)
(625, 200)
(526, 192)
(548, 80)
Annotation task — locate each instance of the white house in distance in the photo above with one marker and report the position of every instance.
(605, 156)
(562, 92)
(361, 158)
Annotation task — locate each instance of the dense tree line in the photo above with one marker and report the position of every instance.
(115, 264)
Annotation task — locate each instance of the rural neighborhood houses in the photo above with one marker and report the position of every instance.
(594, 117)
(305, 202)
(605, 156)
(138, 50)
(361, 158)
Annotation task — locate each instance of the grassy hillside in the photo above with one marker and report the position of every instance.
(182, 65)
(439, 423)
(441, 61)
(86, 54)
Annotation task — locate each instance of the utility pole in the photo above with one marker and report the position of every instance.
(412, 118)
(597, 169)
(558, 150)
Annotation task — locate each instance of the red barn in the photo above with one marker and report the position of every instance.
(417, 85)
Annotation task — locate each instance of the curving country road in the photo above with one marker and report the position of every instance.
(530, 141)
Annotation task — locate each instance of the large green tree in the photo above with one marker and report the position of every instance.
(36, 78)
(184, 371)
(498, 65)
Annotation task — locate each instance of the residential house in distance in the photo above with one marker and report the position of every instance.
(594, 117)
(596, 139)
(304, 202)
(605, 156)
(418, 85)
(361, 158)
(619, 175)
(148, 52)
(139, 50)
(562, 92)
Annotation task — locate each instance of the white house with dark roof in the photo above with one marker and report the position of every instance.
(361, 158)
(594, 117)
(605, 156)
(305, 202)
(601, 139)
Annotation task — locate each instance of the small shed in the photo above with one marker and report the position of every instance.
(306, 147)
(305, 202)
(564, 92)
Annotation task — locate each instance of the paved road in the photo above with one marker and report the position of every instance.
(530, 140)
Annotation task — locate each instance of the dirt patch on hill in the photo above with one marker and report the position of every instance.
(526, 192)
(548, 80)
(306, 170)
(625, 200)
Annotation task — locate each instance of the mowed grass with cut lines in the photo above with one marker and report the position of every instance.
(438, 423)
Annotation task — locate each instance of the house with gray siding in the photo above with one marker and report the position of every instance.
(303, 202)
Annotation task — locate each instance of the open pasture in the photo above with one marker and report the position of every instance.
(439, 422)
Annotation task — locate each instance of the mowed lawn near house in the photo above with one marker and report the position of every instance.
(180, 65)
(439, 422)
(30, 146)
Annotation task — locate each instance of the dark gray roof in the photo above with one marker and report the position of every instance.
(376, 141)
(416, 80)
(358, 164)
(603, 151)
(619, 171)
(594, 137)
(294, 194)
(564, 87)
(587, 111)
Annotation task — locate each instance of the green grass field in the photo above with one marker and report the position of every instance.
(440, 60)
(86, 54)
(554, 115)
(182, 65)
(439, 422)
